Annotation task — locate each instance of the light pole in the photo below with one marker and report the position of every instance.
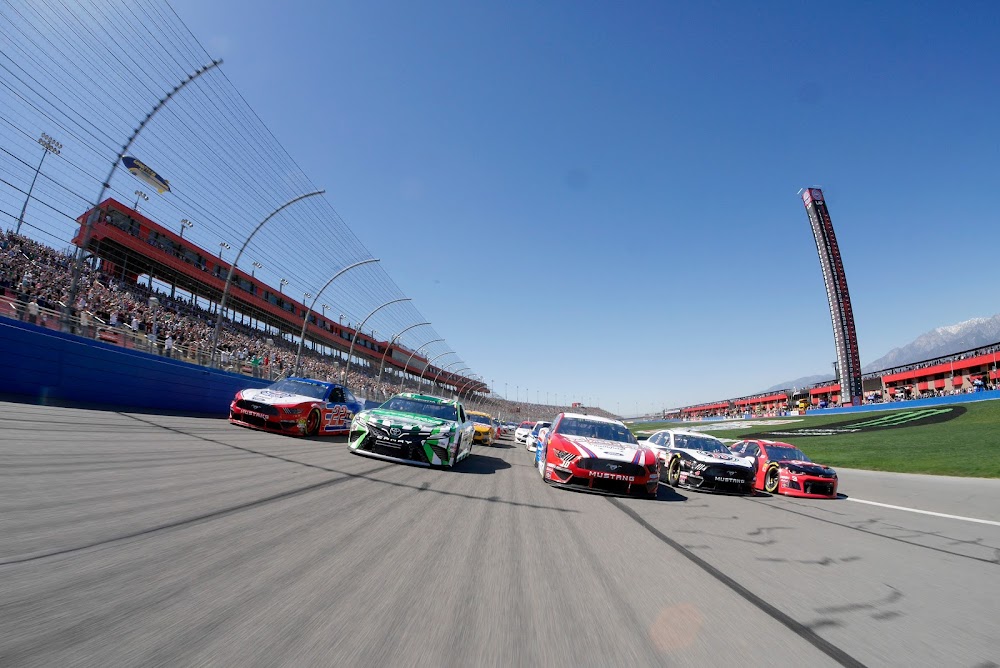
(256, 266)
(223, 246)
(358, 329)
(281, 286)
(449, 352)
(312, 307)
(407, 365)
(49, 145)
(88, 227)
(443, 369)
(456, 372)
(392, 341)
(185, 223)
(232, 267)
(139, 195)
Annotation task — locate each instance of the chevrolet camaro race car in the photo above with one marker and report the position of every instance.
(485, 432)
(698, 461)
(296, 406)
(596, 454)
(414, 429)
(781, 468)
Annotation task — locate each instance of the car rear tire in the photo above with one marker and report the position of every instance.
(674, 472)
(312, 422)
(771, 480)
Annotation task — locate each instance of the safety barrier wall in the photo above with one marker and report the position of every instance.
(45, 366)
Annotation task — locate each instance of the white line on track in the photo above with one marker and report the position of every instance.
(925, 512)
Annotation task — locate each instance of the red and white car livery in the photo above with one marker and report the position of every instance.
(781, 468)
(297, 407)
(596, 454)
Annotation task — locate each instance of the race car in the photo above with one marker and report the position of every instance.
(485, 429)
(522, 431)
(596, 454)
(699, 461)
(297, 407)
(531, 440)
(415, 429)
(781, 468)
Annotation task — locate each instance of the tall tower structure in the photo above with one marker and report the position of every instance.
(844, 334)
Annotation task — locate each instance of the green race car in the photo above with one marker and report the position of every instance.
(414, 429)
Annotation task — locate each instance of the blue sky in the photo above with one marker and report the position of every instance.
(597, 201)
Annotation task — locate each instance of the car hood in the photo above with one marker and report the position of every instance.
(718, 458)
(272, 398)
(409, 421)
(811, 468)
(601, 449)
(480, 427)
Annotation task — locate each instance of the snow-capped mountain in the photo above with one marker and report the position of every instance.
(938, 342)
(941, 341)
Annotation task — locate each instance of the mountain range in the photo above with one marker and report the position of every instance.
(935, 343)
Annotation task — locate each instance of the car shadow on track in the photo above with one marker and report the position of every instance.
(665, 493)
(479, 463)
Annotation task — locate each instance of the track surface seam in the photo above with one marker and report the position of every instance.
(799, 629)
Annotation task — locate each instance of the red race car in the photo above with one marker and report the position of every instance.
(595, 454)
(784, 469)
(297, 407)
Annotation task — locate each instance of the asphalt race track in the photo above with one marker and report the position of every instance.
(132, 539)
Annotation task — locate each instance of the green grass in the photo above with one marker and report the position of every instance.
(968, 445)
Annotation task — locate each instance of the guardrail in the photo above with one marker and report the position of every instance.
(93, 328)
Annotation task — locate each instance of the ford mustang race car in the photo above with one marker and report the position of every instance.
(699, 461)
(595, 454)
(781, 468)
(485, 432)
(531, 440)
(414, 429)
(522, 431)
(296, 406)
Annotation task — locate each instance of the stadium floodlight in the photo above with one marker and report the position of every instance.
(319, 293)
(49, 145)
(358, 329)
(223, 246)
(139, 195)
(281, 286)
(256, 265)
(185, 223)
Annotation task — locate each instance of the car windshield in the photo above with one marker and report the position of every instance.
(697, 442)
(428, 408)
(608, 431)
(539, 426)
(303, 387)
(777, 453)
(526, 425)
(480, 419)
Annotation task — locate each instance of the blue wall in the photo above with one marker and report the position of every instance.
(43, 366)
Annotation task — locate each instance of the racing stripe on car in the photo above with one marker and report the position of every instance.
(582, 448)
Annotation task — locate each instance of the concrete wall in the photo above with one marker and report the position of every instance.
(45, 366)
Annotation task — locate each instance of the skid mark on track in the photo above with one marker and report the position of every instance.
(801, 630)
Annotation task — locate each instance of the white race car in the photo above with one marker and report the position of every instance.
(699, 461)
(522, 431)
(534, 436)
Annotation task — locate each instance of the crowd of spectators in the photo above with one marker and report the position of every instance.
(34, 286)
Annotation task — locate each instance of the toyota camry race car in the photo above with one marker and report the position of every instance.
(414, 429)
(595, 454)
(781, 468)
(296, 406)
(699, 461)
(485, 429)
